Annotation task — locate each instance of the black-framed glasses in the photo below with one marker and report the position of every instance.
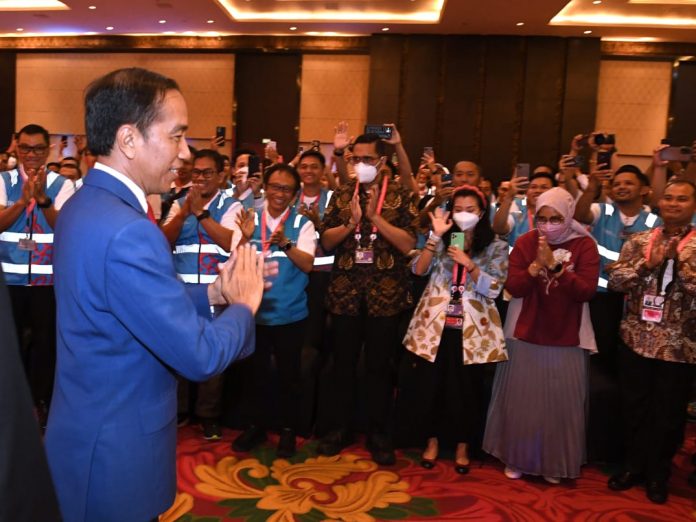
(554, 220)
(370, 160)
(206, 173)
(285, 189)
(36, 149)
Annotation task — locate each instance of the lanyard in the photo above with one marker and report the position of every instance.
(667, 270)
(530, 219)
(380, 204)
(311, 205)
(457, 282)
(265, 244)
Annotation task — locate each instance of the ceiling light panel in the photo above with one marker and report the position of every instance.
(366, 11)
(628, 13)
(32, 5)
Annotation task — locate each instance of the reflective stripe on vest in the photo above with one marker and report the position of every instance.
(12, 268)
(205, 248)
(609, 254)
(195, 278)
(650, 220)
(603, 283)
(15, 237)
(323, 261)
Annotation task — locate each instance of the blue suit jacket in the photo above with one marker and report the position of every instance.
(125, 326)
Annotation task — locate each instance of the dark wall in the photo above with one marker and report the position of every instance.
(496, 100)
(682, 110)
(267, 100)
(8, 73)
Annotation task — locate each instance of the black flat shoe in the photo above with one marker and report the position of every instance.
(625, 480)
(462, 469)
(656, 491)
(427, 463)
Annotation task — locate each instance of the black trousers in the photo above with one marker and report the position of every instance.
(654, 395)
(34, 310)
(316, 321)
(604, 421)
(379, 336)
(283, 345)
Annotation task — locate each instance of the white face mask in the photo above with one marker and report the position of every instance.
(465, 220)
(366, 173)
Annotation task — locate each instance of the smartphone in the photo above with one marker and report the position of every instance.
(676, 154)
(383, 131)
(64, 138)
(446, 179)
(316, 145)
(522, 170)
(604, 158)
(272, 145)
(300, 149)
(458, 240)
(254, 166)
(428, 151)
(605, 139)
(584, 141)
(220, 133)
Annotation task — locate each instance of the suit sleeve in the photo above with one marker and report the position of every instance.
(144, 294)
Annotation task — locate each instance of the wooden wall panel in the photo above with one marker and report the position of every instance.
(267, 100)
(385, 79)
(8, 93)
(682, 127)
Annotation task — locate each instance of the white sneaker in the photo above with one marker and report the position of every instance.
(512, 473)
(552, 480)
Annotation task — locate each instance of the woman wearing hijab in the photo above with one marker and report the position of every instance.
(455, 329)
(536, 418)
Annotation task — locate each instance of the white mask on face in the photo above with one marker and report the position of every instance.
(465, 220)
(366, 173)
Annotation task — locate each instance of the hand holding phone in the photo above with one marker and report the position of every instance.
(383, 131)
(458, 240)
(676, 154)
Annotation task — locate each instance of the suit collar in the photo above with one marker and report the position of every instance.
(101, 179)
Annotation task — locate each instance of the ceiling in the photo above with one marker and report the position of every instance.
(630, 20)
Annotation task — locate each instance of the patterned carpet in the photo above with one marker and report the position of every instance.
(217, 485)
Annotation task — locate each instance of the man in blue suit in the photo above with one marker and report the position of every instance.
(126, 325)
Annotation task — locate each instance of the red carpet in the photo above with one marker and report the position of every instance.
(217, 485)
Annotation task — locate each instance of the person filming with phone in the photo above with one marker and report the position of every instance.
(442, 378)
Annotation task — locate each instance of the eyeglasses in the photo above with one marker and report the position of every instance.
(280, 188)
(555, 220)
(36, 149)
(370, 160)
(206, 173)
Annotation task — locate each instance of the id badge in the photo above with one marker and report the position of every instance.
(653, 308)
(28, 245)
(455, 316)
(364, 256)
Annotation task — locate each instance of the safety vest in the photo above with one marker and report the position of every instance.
(25, 267)
(610, 234)
(322, 261)
(286, 301)
(196, 255)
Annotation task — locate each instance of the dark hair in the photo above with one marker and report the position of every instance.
(53, 164)
(240, 152)
(124, 96)
(314, 154)
(213, 155)
(681, 181)
(632, 169)
(33, 129)
(371, 138)
(69, 158)
(546, 175)
(483, 231)
(552, 170)
(71, 166)
(282, 167)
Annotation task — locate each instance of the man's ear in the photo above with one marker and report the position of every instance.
(127, 140)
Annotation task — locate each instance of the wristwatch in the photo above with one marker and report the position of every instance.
(47, 203)
(205, 214)
(287, 246)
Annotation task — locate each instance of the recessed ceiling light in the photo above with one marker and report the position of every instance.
(293, 28)
(210, 22)
(168, 32)
(520, 24)
(90, 33)
(110, 28)
(587, 32)
(597, 2)
(19, 29)
(385, 28)
(163, 21)
(92, 7)
(189, 33)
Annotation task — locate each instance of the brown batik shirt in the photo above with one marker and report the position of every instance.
(674, 338)
(382, 288)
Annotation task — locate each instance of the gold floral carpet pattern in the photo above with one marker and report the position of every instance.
(217, 485)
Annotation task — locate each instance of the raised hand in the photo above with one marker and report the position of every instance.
(396, 137)
(195, 200)
(371, 207)
(355, 210)
(440, 221)
(246, 223)
(311, 213)
(242, 281)
(459, 256)
(544, 253)
(341, 139)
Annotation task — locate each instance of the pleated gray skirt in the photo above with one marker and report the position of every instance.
(536, 419)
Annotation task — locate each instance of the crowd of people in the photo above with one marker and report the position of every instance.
(569, 286)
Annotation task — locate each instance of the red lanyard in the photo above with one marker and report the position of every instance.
(530, 219)
(265, 244)
(380, 204)
(315, 202)
(653, 238)
(458, 282)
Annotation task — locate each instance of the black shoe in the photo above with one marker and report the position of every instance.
(211, 429)
(427, 463)
(656, 491)
(625, 480)
(333, 442)
(462, 469)
(182, 419)
(381, 448)
(286, 444)
(247, 441)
